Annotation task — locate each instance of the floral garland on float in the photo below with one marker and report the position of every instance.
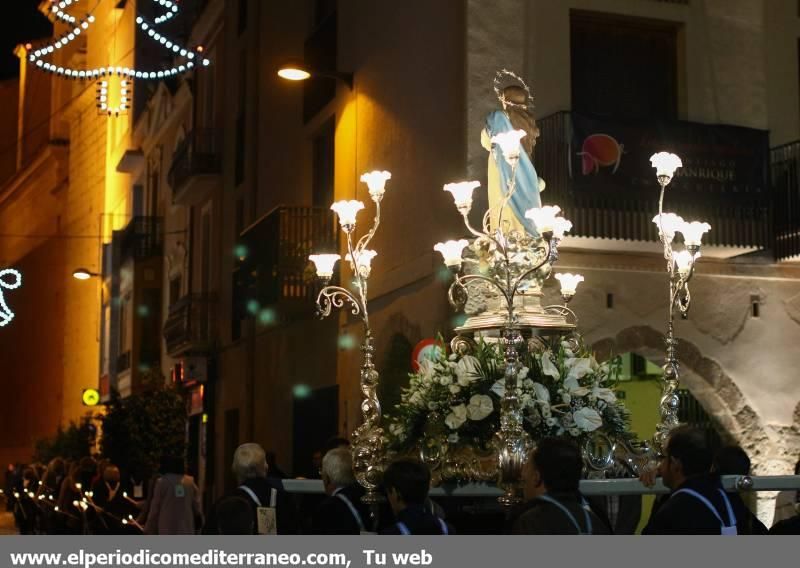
(451, 410)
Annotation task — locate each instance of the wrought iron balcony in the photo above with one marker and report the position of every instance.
(124, 362)
(599, 172)
(196, 166)
(142, 238)
(190, 326)
(274, 269)
(785, 169)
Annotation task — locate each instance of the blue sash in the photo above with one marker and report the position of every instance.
(404, 529)
(526, 194)
(727, 530)
(570, 516)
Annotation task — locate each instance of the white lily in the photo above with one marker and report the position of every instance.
(480, 406)
(548, 368)
(542, 394)
(587, 419)
(457, 417)
(467, 370)
(579, 367)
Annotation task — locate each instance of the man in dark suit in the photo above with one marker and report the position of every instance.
(407, 483)
(265, 494)
(697, 502)
(342, 512)
(554, 504)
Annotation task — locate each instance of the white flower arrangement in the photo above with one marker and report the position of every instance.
(563, 391)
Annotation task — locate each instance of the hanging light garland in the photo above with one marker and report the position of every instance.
(188, 58)
(10, 279)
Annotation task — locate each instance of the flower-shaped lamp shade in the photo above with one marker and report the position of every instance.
(560, 227)
(544, 217)
(684, 260)
(665, 164)
(364, 261)
(347, 211)
(668, 225)
(569, 283)
(693, 232)
(451, 251)
(376, 181)
(509, 143)
(324, 263)
(462, 193)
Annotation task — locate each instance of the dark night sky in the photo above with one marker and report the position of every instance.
(20, 22)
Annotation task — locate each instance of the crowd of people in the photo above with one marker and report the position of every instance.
(89, 497)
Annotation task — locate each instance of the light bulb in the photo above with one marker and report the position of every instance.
(560, 227)
(684, 260)
(462, 194)
(665, 164)
(509, 144)
(451, 251)
(569, 283)
(693, 232)
(668, 225)
(544, 218)
(376, 181)
(324, 263)
(347, 211)
(364, 261)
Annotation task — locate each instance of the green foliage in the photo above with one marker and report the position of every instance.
(72, 443)
(140, 429)
(457, 400)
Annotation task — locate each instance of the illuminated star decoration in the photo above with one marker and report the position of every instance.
(10, 279)
(187, 59)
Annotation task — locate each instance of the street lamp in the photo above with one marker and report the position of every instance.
(295, 70)
(83, 274)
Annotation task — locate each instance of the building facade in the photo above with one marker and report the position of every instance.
(217, 189)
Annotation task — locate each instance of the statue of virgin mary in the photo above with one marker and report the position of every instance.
(515, 115)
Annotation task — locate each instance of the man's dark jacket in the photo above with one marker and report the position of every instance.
(685, 514)
(333, 516)
(418, 520)
(542, 517)
(262, 487)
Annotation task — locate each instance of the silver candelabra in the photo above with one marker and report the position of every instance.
(680, 269)
(369, 450)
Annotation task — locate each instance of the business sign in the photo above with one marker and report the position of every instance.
(90, 397)
(611, 158)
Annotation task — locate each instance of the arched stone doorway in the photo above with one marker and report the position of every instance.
(773, 448)
(706, 380)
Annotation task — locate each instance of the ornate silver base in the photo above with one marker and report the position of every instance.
(539, 321)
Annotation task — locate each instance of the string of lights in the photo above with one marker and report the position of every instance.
(186, 56)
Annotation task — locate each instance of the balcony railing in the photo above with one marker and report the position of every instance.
(785, 164)
(599, 172)
(124, 362)
(275, 269)
(189, 326)
(198, 155)
(142, 238)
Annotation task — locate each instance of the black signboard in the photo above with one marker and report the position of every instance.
(720, 163)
